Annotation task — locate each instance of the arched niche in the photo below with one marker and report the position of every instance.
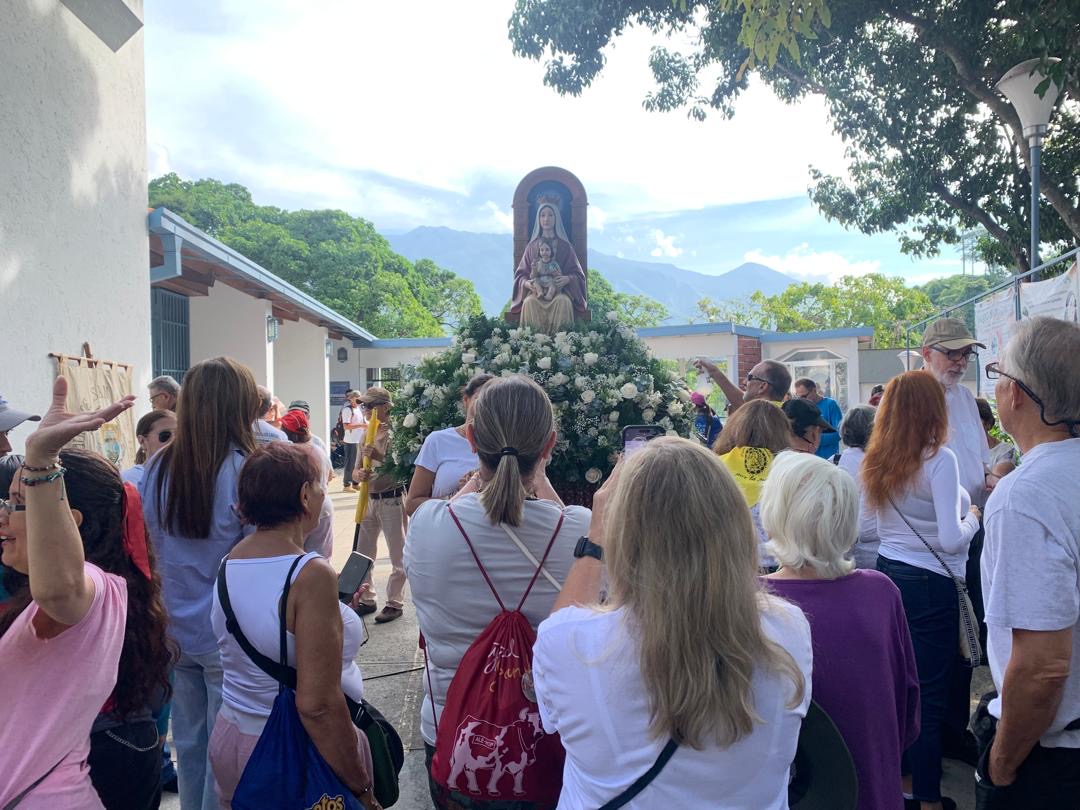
(573, 208)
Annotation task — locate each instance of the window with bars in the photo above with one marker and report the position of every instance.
(170, 335)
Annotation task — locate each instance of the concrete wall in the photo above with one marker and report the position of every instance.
(73, 241)
(301, 371)
(229, 322)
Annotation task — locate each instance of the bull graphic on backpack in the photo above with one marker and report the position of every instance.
(490, 731)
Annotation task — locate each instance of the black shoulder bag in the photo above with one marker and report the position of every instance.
(645, 779)
(387, 752)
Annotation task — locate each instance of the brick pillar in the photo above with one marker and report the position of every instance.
(749, 355)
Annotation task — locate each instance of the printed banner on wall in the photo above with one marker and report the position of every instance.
(93, 384)
(1055, 297)
(995, 319)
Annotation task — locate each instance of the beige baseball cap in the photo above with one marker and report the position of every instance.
(949, 334)
(376, 395)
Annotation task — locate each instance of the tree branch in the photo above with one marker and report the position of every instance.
(984, 219)
(974, 84)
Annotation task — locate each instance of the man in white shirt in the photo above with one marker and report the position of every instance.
(1031, 578)
(352, 419)
(947, 349)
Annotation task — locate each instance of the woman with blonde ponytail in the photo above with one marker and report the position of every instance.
(689, 654)
(509, 512)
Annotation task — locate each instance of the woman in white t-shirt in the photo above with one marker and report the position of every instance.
(281, 491)
(855, 432)
(912, 481)
(513, 430)
(689, 648)
(445, 456)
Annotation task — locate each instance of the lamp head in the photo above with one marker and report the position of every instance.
(1018, 86)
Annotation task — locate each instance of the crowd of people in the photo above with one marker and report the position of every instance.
(666, 647)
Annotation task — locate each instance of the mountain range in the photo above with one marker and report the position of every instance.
(486, 259)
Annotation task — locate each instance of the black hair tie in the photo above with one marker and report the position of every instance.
(509, 451)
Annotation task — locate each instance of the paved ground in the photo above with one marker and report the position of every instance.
(392, 648)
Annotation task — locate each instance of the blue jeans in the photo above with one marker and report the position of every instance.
(933, 615)
(195, 703)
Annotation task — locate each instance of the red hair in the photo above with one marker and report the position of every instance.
(911, 423)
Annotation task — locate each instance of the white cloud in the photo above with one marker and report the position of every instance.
(352, 96)
(808, 264)
(665, 245)
(504, 222)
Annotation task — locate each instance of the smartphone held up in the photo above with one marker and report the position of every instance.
(635, 437)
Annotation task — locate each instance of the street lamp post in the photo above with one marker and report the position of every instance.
(1018, 86)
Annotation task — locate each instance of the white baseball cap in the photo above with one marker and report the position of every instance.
(11, 418)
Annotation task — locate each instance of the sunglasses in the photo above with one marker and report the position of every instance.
(956, 355)
(11, 506)
(162, 435)
(750, 378)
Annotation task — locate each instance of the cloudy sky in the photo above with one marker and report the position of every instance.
(418, 113)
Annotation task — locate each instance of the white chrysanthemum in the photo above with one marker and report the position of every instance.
(544, 363)
(502, 358)
(628, 391)
(581, 382)
(675, 408)
(514, 334)
(410, 420)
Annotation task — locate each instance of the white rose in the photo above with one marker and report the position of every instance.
(502, 359)
(468, 357)
(628, 391)
(612, 417)
(648, 414)
(544, 363)
(675, 408)
(593, 475)
(587, 396)
(559, 379)
(514, 334)
(505, 348)
(581, 382)
(682, 394)
(590, 358)
(429, 392)
(410, 420)
(672, 433)
(408, 390)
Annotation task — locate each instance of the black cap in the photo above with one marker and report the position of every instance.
(803, 414)
(823, 774)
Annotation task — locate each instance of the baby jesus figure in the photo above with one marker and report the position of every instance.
(545, 273)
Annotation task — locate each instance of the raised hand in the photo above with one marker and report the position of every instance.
(59, 426)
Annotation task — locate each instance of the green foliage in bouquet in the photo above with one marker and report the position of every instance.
(600, 377)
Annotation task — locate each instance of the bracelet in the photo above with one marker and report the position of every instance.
(44, 479)
(54, 466)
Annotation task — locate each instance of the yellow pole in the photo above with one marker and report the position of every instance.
(369, 441)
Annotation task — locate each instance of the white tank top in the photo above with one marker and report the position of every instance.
(255, 587)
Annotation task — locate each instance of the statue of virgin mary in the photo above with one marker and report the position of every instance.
(532, 308)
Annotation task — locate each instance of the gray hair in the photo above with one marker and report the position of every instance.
(810, 510)
(512, 420)
(1042, 353)
(165, 384)
(857, 425)
(266, 399)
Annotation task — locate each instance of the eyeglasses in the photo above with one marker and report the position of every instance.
(11, 506)
(158, 394)
(956, 355)
(993, 372)
(750, 378)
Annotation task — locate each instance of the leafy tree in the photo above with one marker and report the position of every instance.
(742, 311)
(874, 300)
(933, 148)
(336, 258)
(633, 310)
(948, 292)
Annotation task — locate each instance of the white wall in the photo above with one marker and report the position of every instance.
(349, 371)
(301, 371)
(848, 348)
(231, 323)
(73, 244)
(389, 358)
(687, 347)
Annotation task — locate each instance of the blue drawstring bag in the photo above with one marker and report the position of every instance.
(285, 770)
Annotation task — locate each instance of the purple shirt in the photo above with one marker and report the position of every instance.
(864, 673)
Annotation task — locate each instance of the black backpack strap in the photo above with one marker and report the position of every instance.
(645, 779)
(278, 670)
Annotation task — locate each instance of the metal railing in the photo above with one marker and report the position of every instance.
(1013, 281)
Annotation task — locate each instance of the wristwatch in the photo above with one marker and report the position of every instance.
(587, 548)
